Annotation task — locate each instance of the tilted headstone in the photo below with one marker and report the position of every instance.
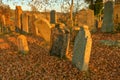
(22, 44)
(82, 49)
(53, 17)
(108, 25)
(25, 27)
(44, 28)
(60, 38)
(18, 16)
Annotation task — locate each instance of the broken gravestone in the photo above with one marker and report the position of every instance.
(82, 49)
(22, 44)
(108, 25)
(44, 28)
(60, 38)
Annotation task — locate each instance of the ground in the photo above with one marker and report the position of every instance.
(39, 65)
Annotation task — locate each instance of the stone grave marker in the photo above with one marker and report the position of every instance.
(86, 17)
(25, 27)
(60, 38)
(18, 16)
(53, 17)
(3, 27)
(82, 49)
(108, 25)
(44, 28)
(22, 44)
(34, 29)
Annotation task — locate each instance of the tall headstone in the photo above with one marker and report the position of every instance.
(25, 27)
(22, 44)
(44, 28)
(3, 27)
(108, 25)
(82, 49)
(60, 38)
(53, 17)
(34, 29)
(18, 16)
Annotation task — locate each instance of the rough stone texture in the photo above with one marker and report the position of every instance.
(60, 39)
(108, 25)
(44, 28)
(116, 13)
(25, 27)
(82, 49)
(22, 44)
(86, 17)
(18, 15)
(53, 17)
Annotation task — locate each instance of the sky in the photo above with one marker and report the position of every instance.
(17, 3)
(24, 5)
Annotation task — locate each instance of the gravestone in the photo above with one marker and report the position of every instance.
(22, 44)
(53, 17)
(34, 29)
(18, 16)
(44, 28)
(86, 17)
(82, 49)
(60, 38)
(3, 27)
(75, 31)
(25, 27)
(108, 25)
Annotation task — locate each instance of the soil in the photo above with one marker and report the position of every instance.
(39, 65)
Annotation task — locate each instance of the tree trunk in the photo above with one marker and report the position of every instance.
(71, 15)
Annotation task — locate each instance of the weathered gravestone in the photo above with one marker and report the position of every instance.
(82, 49)
(25, 27)
(86, 17)
(108, 25)
(44, 28)
(53, 17)
(34, 29)
(3, 23)
(22, 44)
(60, 39)
(18, 16)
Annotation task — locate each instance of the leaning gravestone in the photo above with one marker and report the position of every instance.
(60, 39)
(18, 13)
(108, 25)
(22, 44)
(44, 28)
(82, 49)
(25, 22)
(53, 19)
